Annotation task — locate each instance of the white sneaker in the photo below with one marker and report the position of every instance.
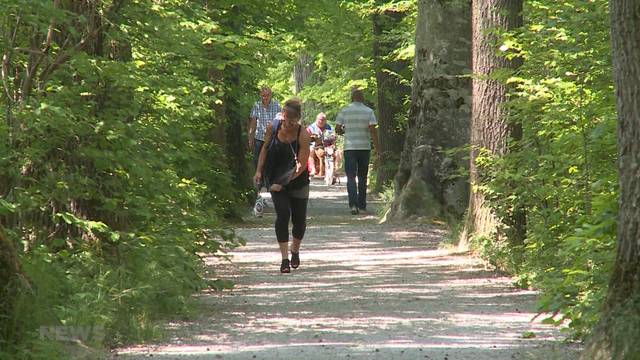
(258, 208)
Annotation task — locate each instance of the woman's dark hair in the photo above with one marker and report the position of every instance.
(293, 108)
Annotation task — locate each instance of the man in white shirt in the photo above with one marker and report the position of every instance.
(358, 124)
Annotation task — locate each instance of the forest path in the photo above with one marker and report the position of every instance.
(363, 291)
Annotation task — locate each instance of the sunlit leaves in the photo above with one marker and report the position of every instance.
(106, 168)
(563, 170)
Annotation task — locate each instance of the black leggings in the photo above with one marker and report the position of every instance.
(289, 207)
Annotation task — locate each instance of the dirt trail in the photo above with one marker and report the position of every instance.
(363, 291)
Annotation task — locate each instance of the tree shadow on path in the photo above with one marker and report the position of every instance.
(363, 291)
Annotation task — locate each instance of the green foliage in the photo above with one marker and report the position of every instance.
(497, 251)
(386, 197)
(109, 179)
(562, 172)
(340, 49)
(113, 173)
(337, 37)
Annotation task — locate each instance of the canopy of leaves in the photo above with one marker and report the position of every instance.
(563, 171)
(114, 176)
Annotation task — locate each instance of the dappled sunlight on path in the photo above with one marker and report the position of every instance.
(363, 291)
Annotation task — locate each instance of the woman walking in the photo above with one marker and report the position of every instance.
(283, 166)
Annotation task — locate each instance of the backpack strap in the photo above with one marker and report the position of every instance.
(298, 140)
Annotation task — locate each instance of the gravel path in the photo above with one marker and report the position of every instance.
(363, 291)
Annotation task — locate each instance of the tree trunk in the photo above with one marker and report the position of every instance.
(439, 114)
(236, 116)
(234, 139)
(218, 132)
(616, 335)
(489, 129)
(391, 94)
(302, 70)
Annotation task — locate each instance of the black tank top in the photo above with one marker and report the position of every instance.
(283, 160)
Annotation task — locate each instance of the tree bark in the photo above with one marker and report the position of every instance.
(439, 114)
(489, 128)
(302, 70)
(236, 116)
(616, 335)
(391, 94)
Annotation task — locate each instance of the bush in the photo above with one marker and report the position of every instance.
(110, 183)
(563, 170)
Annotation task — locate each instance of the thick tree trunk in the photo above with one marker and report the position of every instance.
(617, 334)
(439, 114)
(391, 94)
(489, 129)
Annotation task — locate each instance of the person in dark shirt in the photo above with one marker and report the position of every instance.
(282, 166)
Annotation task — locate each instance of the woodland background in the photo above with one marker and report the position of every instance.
(123, 132)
